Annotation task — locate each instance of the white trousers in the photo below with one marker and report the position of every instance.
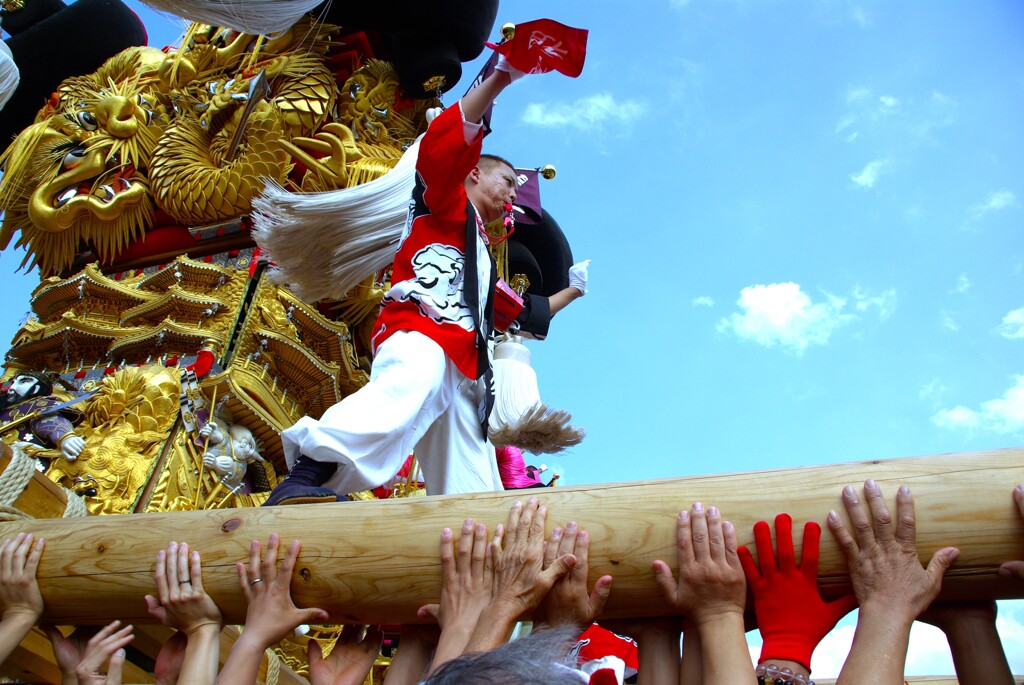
(416, 399)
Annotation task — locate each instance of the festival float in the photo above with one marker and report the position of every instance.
(174, 336)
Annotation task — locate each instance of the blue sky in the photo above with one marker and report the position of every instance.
(806, 227)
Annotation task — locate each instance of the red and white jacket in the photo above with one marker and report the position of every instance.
(443, 276)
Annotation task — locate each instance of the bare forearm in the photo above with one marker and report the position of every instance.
(493, 629)
(691, 671)
(476, 101)
(658, 653)
(724, 654)
(12, 631)
(243, 664)
(879, 651)
(453, 643)
(202, 656)
(978, 653)
(410, 663)
(562, 299)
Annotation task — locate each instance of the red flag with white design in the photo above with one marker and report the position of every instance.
(544, 45)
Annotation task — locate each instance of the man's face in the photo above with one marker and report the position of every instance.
(21, 387)
(490, 188)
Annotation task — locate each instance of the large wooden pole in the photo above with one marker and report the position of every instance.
(376, 562)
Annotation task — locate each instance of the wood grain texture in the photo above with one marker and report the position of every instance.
(376, 562)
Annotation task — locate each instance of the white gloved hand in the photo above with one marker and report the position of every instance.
(578, 276)
(71, 447)
(503, 65)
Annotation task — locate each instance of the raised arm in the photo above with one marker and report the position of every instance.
(891, 585)
(791, 615)
(520, 579)
(21, 603)
(271, 615)
(476, 101)
(182, 603)
(711, 591)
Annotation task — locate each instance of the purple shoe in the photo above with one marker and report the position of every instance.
(303, 484)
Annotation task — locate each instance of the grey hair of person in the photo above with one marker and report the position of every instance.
(537, 659)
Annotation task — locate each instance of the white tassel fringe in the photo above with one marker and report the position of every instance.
(10, 77)
(255, 17)
(519, 417)
(324, 244)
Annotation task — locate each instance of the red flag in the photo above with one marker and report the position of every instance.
(542, 45)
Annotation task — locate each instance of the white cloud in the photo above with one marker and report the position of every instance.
(1001, 199)
(1003, 415)
(868, 176)
(963, 284)
(703, 301)
(860, 17)
(949, 322)
(928, 652)
(858, 94)
(1012, 326)
(888, 102)
(884, 302)
(782, 314)
(933, 391)
(586, 114)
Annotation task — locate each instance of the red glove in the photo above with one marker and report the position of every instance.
(792, 616)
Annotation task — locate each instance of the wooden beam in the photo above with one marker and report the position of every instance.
(376, 562)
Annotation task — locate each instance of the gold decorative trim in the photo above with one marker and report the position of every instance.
(170, 337)
(51, 299)
(175, 300)
(189, 274)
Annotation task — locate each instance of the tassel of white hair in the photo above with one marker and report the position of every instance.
(10, 77)
(256, 17)
(519, 417)
(325, 244)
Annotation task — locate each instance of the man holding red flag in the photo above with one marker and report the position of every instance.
(430, 387)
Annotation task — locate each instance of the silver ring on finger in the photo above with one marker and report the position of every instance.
(255, 580)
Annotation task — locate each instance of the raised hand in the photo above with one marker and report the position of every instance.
(710, 575)
(351, 659)
(181, 601)
(102, 660)
(791, 615)
(569, 600)
(1015, 568)
(19, 591)
(882, 556)
(272, 615)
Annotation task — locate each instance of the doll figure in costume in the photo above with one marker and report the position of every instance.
(229, 451)
(29, 408)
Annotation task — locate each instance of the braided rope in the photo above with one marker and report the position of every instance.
(76, 505)
(16, 476)
(12, 514)
(273, 667)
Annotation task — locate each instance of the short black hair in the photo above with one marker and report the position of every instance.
(488, 162)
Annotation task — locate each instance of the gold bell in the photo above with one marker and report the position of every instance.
(548, 171)
(508, 31)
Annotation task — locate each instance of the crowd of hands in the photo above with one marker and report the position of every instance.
(491, 582)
